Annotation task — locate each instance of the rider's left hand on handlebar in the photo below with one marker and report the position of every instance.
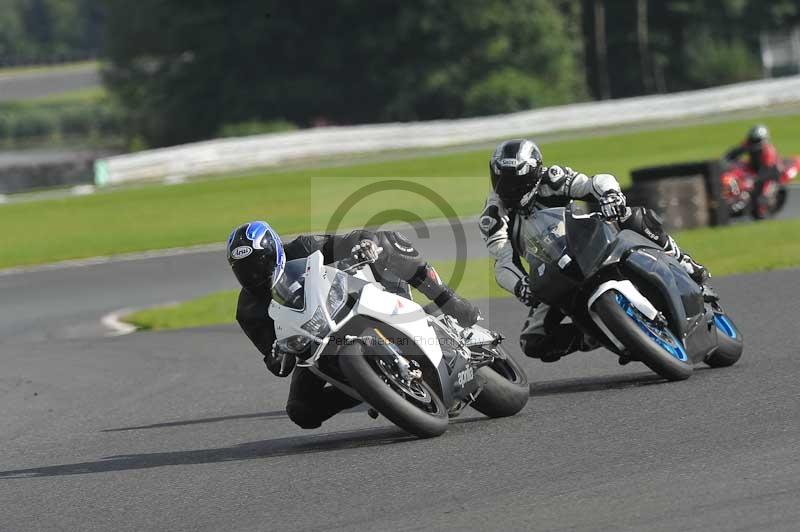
(366, 251)
(280, 361)
(613, 205)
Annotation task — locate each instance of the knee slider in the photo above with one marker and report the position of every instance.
(532, 344)
(302, 415)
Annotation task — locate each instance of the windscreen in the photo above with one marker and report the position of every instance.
(544, 235)
(289, 291)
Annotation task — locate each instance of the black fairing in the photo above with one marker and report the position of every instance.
(588, 241)
(596, 244)
(682, 296)
(550, 284)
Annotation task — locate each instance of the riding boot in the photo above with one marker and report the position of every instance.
(696, 271)
(427, 281)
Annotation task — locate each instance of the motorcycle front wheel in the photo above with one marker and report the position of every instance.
(652, 344)
(412, 406)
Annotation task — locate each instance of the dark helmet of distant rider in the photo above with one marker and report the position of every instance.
(515, 168)
(757, 136)
(256, 256)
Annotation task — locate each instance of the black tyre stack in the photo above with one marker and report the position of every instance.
(686, 195)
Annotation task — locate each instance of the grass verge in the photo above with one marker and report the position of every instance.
(719, 249)
(199, 212)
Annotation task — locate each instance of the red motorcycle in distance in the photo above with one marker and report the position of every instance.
(744, 192)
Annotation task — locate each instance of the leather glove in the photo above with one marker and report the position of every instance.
(365, 251)
(465, 313)
(523, 292)
(612, 205)
(279, 361)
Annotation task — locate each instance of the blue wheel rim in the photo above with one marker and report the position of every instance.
(662, 336)
(725, 325)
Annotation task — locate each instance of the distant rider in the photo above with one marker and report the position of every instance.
(516, 168)
(257, 256)
(762, 157)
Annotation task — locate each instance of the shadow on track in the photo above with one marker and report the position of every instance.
(605, 382)
(331, 441)
(593, 384)
(246, 451)
(275, 414)
(180, 423)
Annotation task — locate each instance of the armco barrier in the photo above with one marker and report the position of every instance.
(24, 171)
(266, 150)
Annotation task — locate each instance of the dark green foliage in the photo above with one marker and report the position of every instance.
(49, 31)
(32, 123)
(254, 127)
(711, 62)
(183, 69)
(687, 44)
(29, 122)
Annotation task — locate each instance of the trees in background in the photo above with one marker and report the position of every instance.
(184, 70)
(48, 31)
(192, 70)
(638, 47)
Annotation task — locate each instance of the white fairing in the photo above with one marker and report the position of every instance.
(317, 285)
(399, 312)
(627, 289)
(402, 314)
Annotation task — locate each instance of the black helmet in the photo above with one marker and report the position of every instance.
(515, 167)
(255, 253)
(757, 134)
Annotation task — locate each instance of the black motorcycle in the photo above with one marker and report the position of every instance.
(625, 292)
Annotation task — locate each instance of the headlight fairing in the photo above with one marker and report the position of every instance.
(318, 324)
(298, 345)
(337, 294)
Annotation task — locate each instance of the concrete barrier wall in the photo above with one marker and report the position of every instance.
(266, 150)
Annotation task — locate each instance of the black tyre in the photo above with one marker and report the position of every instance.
(765, 201)
(505, 387)
(729, 341)
(420, 411)
(655, 346)
(783, 195)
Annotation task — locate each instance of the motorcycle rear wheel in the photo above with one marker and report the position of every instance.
(729, 343)
(393, 403)
(505, 387)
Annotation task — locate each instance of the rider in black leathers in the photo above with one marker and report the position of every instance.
(515, 169)
(257, 256)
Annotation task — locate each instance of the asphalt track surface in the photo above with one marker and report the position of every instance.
(185, 430)
(40, 83)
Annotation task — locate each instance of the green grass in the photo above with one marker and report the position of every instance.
(211, 309)
(87, 95)
(719, 249)
(152, 217)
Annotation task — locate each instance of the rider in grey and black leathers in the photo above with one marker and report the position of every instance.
(516, 168)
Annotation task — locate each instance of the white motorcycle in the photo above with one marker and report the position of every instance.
(414, 368)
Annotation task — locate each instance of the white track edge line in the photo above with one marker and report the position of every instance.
(117, 327)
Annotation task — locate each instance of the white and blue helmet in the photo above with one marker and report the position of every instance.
(256, 255)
